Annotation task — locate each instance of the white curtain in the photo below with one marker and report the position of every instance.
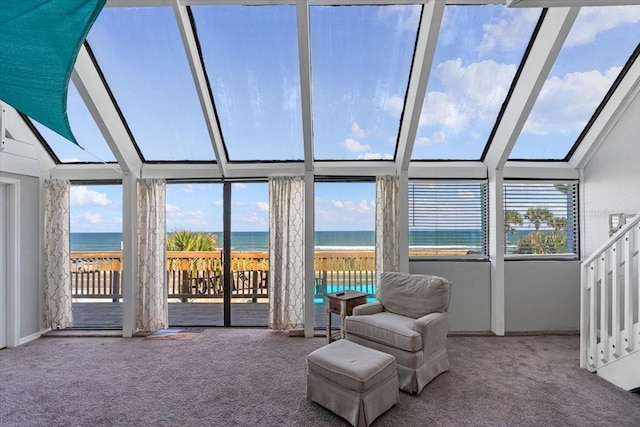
(387, 223)
(286, 253)
(58, 311)
(152, 310)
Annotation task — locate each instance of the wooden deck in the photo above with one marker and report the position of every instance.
(108, 315)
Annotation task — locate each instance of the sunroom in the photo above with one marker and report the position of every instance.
(318, 143)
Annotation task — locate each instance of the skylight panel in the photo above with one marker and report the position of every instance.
(595, 51)
(360, 64)
(84, 129)
(251, 58)
(141, 54)
(477, 55)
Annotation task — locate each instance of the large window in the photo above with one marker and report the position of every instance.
(447, 218)
(540, 218)
(95, 220)
(344, 241)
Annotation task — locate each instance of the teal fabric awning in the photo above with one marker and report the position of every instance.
(39, 43)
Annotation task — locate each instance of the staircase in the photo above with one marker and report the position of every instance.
(610, 309)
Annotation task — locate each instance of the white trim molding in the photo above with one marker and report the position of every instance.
(13, 261)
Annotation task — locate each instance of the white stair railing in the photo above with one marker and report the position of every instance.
(610, 300)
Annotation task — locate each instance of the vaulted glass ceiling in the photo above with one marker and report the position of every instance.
(195, 81)
(144, 62)
(594, 53)
(478, 52)
(251, 57)
(360, 58)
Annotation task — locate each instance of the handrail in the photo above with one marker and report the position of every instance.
(610, 300)
(615, 237)
(199, 274)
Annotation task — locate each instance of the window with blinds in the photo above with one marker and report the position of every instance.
(448, 218)
(540, 218)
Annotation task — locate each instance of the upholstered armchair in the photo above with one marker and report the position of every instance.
(409, 321)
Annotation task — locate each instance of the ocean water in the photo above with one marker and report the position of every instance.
(324, 240)
(240, 240)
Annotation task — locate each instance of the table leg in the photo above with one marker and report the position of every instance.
(328, 324)
(343, 316)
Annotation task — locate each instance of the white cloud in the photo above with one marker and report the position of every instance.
(263, 206)
(354, 146)
(393, 106)
(184, 218)
(93, 218)
(240, 186)
(435, 138)
(553, 114)
(337, 204)
(357, 131)
(500, 34)
(255, 219)
(472, 93)
(594, 20)
(406, 17)
(218, 202)
(82, 196)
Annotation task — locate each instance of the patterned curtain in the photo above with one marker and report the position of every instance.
(286, 253)
(152, 310)
(58, 308)
(387, 223)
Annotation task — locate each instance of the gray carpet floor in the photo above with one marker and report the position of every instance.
(257, 377)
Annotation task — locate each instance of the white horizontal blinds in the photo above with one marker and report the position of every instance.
(447, 218)
(540, 218)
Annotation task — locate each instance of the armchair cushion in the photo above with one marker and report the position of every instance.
(413, 295)
(386, 328)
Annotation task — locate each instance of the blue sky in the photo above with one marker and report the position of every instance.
(198, 207)
(361, 56)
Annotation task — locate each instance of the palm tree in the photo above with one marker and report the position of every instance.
(192, 241)
(185, 240)
(538, 216)
(512, 218)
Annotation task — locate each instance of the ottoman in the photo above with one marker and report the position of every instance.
(355, 382)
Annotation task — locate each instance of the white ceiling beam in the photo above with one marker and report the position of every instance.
(95, 95)
(85, 172)
(541, 57)
(202, 88)
(181, 171)
(569, 3)
(540, 170)
(355, 168)
(428, 31)
(448, 170)
(304, 57)
(621, 98)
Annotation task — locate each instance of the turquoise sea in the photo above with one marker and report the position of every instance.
(324, 240)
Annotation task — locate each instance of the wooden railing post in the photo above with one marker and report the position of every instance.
(254, 280)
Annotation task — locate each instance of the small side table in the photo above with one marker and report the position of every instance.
(342, 303)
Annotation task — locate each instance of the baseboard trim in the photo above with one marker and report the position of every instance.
(32, 337)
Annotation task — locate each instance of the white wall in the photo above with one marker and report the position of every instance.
(611, 180)
(539, 295)
(470, 307)
(29, 255)
(542, 295)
